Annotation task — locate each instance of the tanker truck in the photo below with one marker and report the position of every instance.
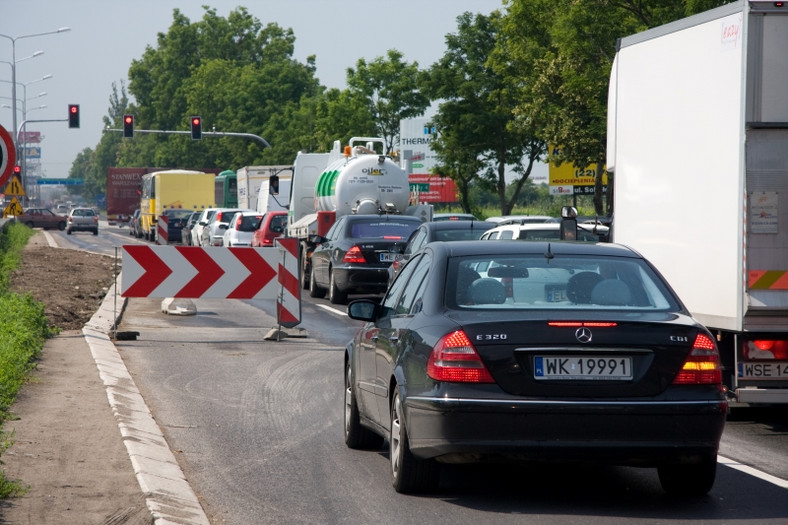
(356, 179)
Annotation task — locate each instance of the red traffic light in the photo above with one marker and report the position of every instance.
(73, 115)
(17, 170)
(196, 128)
(128, 126)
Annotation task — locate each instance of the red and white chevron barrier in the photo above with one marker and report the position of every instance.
(288, 304)
(192, 272)
(161, 230)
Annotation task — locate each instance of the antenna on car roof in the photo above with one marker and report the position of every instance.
(549, 253)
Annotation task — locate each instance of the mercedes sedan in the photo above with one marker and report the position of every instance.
(533, 352)
(356, 253)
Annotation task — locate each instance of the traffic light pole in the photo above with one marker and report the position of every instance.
(204, 134)
(23, 173)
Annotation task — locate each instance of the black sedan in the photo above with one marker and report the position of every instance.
(442, 230)
(176, 220)
(355, 255)
(538, 351)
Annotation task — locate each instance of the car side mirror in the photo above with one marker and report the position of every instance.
(363, 310)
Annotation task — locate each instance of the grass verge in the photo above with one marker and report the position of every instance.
(23, 331)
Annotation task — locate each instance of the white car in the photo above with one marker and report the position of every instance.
(240, 230)
(548, 231)
(202, 222)
(212, 234)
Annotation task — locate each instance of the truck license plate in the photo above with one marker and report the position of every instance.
(582, 367)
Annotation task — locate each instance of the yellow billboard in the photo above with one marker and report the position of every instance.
(570, 175)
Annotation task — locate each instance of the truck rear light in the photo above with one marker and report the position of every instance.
(766, 349)
(354, 255)
(702, 366)
(454, 359)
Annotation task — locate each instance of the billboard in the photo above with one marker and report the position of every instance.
(418, 160)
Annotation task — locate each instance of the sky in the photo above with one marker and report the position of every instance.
(106, 35)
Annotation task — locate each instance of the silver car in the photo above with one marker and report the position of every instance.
(82, 219)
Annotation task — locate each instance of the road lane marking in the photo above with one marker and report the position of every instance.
(332, 310)
(782, 483)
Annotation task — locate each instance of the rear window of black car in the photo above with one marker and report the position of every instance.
(394, 230)
(523, 282)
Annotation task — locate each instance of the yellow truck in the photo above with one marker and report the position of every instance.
(173, 189)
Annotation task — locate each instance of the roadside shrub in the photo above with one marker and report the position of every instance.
(23, 330)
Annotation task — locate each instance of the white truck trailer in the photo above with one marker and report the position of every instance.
(251, 178)
(698, 148)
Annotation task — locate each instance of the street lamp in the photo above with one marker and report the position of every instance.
(13, 67)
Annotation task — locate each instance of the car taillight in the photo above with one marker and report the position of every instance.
(354, 255)
(454, 359)
(702, 366)
(766, 349)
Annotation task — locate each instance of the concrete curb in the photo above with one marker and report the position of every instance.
(168, 495)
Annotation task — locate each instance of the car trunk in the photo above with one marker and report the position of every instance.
(631, 358)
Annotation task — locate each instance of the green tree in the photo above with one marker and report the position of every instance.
(475, 114)
(559, 56)
(390, 90)
(237, 74)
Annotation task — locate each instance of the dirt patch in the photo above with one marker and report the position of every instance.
(70, 283)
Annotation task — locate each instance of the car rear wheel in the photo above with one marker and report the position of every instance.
(356, 436)
(61, 226)
(314, 289)
(409, 474)
(692, 479)
(335, 295)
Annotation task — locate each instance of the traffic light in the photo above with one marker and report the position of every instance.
(128, 126)
(73, 115)
(196, 128)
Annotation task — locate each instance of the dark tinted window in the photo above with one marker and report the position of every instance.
(385, 229)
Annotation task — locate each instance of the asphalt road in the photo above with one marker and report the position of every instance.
(257, 428)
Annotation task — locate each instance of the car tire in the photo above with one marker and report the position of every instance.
(356, 436)
(335, 295)
(61, 226)
(95, 232)
(408, 473)
(68, 232)
(688, 479)
(314, 289)
(29, 224)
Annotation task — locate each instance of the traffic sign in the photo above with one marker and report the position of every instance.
(15, 187)
(192, 272)
(7, 156)
(13, 208)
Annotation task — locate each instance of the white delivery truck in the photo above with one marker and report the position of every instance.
(251, 178)
(698, 148)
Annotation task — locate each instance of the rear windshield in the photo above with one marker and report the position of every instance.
(457, 235)
(523, 282)
(249, 223)
(390, 229)
(278, 223)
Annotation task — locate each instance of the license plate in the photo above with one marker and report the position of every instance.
(583, 367)
(388, 257)
(763, 370)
